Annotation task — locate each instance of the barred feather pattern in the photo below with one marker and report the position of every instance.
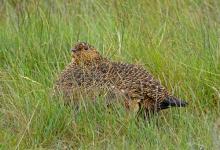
(89, 70)
(132, 81)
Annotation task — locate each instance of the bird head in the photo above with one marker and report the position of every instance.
(83, 52)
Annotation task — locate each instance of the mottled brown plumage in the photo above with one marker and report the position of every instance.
(89, 70)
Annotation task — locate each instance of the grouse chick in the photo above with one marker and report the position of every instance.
(140, 90)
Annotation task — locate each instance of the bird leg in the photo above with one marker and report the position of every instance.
(132, 107)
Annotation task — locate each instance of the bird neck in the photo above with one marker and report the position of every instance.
(89, 61)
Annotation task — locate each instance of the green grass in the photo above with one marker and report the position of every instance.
(177, 41)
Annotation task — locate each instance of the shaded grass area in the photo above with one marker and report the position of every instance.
(177, 41)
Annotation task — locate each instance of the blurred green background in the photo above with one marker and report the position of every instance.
(177, 41)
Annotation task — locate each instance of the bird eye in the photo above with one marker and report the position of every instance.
(86, 48)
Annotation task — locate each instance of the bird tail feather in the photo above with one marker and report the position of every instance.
(172, 102)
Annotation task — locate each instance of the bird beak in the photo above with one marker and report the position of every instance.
(73, 49)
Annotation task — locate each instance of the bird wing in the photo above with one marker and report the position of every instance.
(136, 82)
